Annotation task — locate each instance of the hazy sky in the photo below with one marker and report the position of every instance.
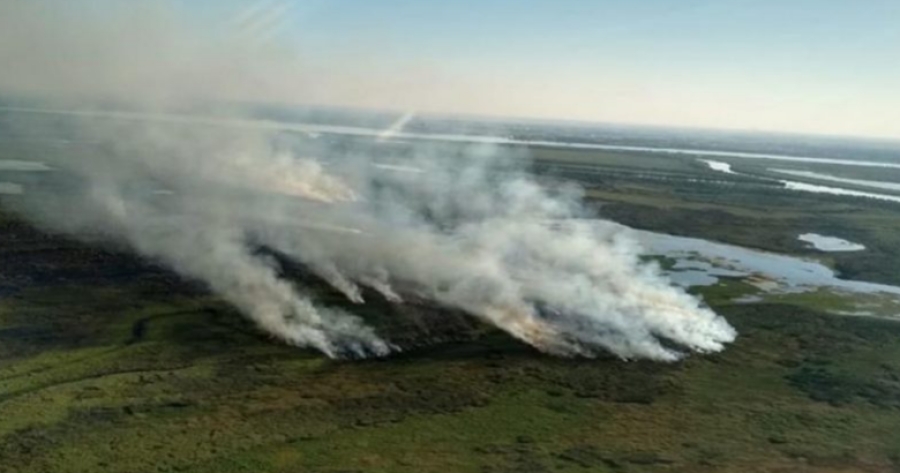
(825, 66)
(829, 66)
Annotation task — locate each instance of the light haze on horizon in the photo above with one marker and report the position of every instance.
(807, 66)
(815, 66)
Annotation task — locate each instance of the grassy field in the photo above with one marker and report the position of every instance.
(108, 363)
(183, 384)
(685, 198)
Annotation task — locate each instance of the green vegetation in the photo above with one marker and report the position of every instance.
(108, 364)
(197, 390)
(879, 305)
(684, 198)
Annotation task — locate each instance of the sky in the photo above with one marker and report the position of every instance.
(822, 66)
(812, 66)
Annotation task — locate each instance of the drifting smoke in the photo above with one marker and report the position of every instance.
(461, 225)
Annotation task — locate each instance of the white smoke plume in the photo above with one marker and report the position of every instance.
(462, 225)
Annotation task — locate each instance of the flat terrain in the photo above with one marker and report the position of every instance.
(680, 195)
(109, 363)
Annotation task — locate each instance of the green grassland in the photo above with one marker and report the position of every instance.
(685, 198)
(110, 364)
(184, 384)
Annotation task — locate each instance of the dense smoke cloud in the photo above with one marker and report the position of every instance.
(461, 225)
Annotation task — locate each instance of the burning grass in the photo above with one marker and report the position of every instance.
(201, 391)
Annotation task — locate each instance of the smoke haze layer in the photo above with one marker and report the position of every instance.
(462, 225)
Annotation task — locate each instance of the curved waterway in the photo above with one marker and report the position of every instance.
(704, 262)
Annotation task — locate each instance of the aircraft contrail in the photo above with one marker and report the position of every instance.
(397, 126)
